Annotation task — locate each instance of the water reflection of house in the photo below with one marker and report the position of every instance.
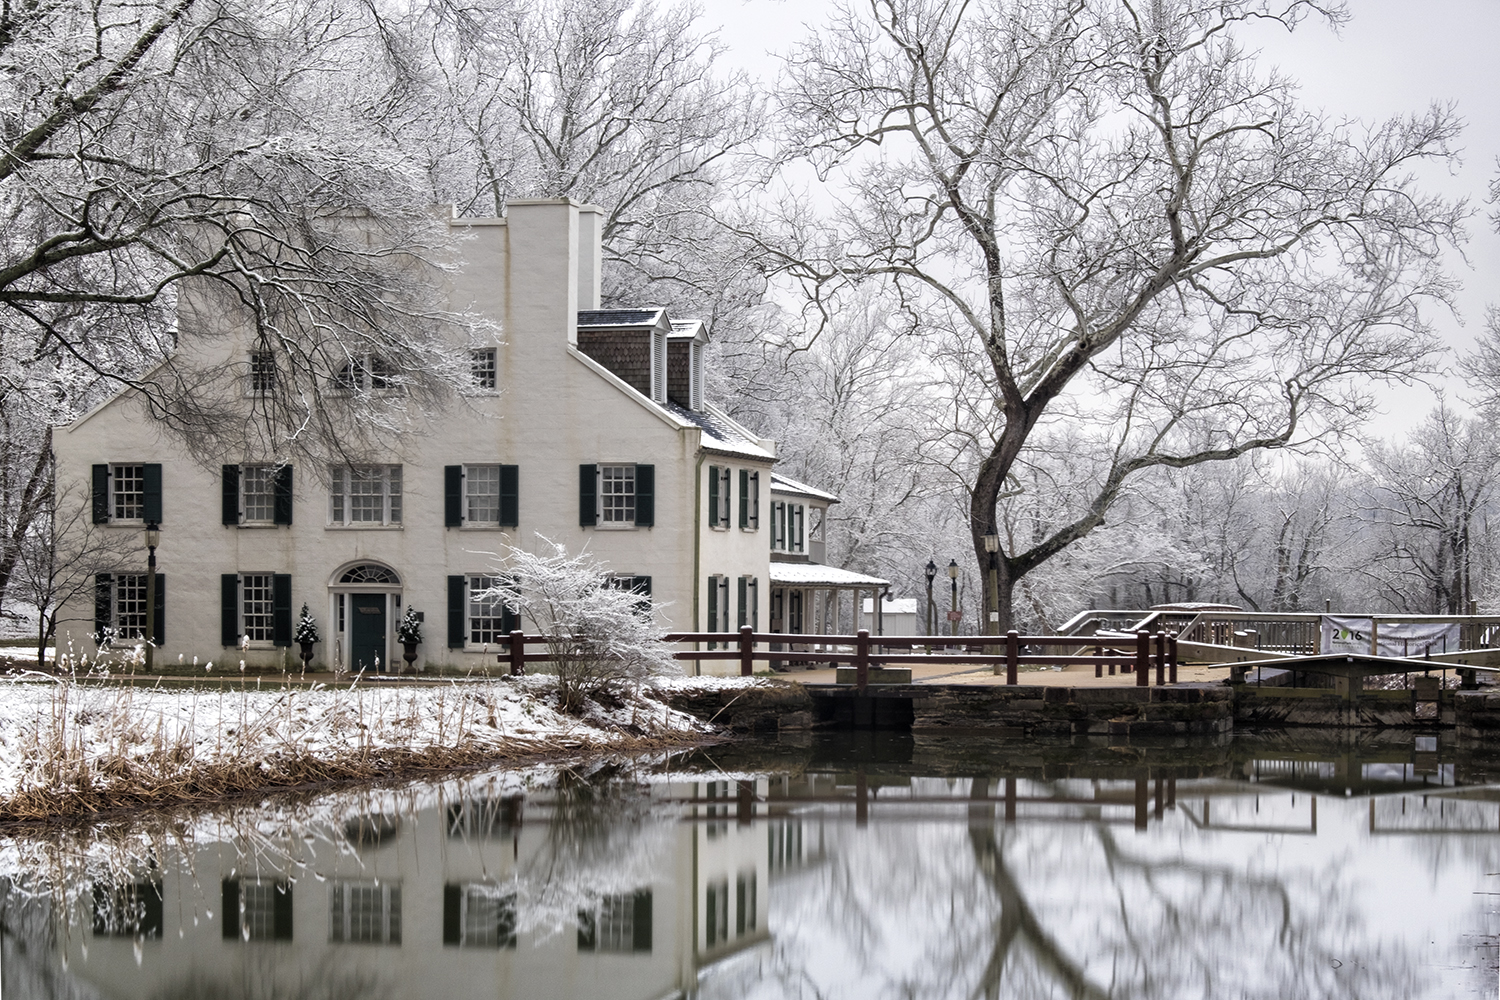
(426, 904)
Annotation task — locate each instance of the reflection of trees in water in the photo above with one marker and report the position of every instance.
(1066, 909)
(603, 837)
(263, 980)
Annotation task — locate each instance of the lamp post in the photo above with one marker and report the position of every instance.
(153, 539)
(953, 603)
(992, 546)
(931, 572)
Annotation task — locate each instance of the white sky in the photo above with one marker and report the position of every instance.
(1394, 57)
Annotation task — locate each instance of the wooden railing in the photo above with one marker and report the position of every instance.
(1159, 649)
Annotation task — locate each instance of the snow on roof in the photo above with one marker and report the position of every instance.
(721, 434)
(782, 484)
(818, 575)
(895, 606)
(688, 329)
(619, 317)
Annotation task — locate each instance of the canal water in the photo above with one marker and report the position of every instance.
(860, 865)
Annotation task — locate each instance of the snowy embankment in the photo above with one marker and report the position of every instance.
(70, 749)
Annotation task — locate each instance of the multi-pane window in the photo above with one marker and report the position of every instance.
(488, 621)
(257, 617)
(619, 923)
(718, 605)
(487, 918)
(262, 373)
(128, 492)
(365, 494)
(365, 912)
(365, 372)
(258, 910)
(132, 909)
(130, 605)
(482, 367)
(617, 494)
(258, 493)
(787, 527)
(749, 602)
(482, 493)
(718, 496)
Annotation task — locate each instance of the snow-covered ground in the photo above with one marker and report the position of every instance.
(60, 738)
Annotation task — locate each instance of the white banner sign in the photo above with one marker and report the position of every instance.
(1343, 634)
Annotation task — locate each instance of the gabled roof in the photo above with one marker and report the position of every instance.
(625, 318)
(782, 484)
(689, 329)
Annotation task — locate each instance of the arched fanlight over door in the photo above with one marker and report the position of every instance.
(371, 573)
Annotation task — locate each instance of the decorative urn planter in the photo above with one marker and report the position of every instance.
(307, 648)
(410, 656)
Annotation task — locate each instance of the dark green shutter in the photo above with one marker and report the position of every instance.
(281, 609)
(453, 496)
(744, 498)
(151, 481)
(641, 927)
(588, 495)
(282, 513)
(230, 902)
(645, 496)
(452, 912)
(103, 604)
(456, 623)
(641, 585)
(229, 609)
(101, 494)
(510, 496)
(713, 496)
(230, 495)
(281, 912)
(713, 605)
(159, 625)
(742, 620)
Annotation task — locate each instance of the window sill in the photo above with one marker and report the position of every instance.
(487, 526)
(258, 524)
(363, 526)
(616, 526)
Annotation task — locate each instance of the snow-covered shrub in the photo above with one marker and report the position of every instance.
(410, 629)
(600, 637)
(307, 627)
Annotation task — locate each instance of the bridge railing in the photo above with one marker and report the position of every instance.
(1146, 649)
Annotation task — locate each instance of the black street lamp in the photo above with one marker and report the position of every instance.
(992, 546)
(953, 608)
(153, 539)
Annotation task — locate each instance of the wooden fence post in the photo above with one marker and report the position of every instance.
(1099, 667)
(1012, 655)
(1142, 658)
(862, 659)
(517, 653)
(1172, 657)
(747, 651)
(1161, 659)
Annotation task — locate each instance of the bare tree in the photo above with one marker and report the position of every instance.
(1103, 212)
(243, 148)
(1431, 501)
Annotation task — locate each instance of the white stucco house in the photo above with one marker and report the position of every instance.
(584, 425)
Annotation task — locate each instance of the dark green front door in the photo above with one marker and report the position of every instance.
(367, 632)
